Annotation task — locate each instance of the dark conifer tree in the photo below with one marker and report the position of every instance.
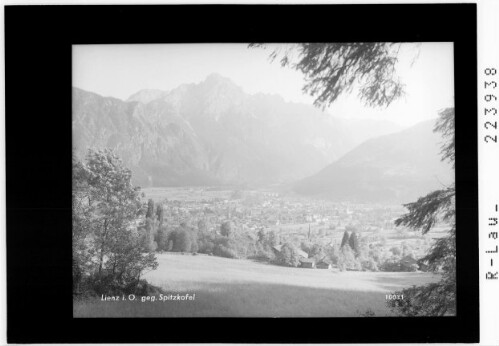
(160, 214)
(354, 243)
(150, 208)
(434, 299)
(332, 69)
(345, 239)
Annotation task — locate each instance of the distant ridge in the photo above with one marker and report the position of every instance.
(147, 95)
(397, 168)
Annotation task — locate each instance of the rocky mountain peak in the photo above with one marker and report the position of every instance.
(210, 132)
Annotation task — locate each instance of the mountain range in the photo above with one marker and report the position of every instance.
(398, 168)
(213, 133)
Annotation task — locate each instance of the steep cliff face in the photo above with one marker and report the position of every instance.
(212, 133)
(159, 146)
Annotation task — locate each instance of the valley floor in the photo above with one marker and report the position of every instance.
(243, 288)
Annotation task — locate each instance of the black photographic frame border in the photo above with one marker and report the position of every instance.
(38, 42)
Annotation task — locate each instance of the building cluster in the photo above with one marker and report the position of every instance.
(256, 210)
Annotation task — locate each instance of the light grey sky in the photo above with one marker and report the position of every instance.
(121, 70)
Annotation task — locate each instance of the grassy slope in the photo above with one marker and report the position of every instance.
(227, 287)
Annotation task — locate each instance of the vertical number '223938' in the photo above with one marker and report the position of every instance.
(490, 96)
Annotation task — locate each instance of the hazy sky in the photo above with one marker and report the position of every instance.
(121, 70)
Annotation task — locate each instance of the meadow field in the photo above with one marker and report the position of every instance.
(244, 288)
